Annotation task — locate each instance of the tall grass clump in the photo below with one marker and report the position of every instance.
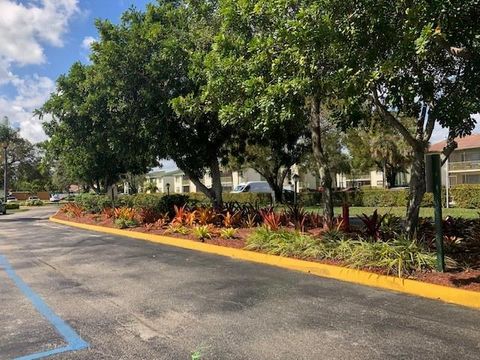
(399, 256)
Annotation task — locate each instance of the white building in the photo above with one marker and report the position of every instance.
(463, 165)
(180, 183)
(160, 179)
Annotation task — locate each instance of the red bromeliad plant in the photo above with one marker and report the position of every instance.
(158, 225)
(373, 225)
(206, 216)
(148, 215)
(126, 213)
(231, 220)
(296, 216)
(107, 213)
(271, 219)
(72, 210)
(337, 224)
(315, 220)
(250, 221)
(179, 216)
(190, 217)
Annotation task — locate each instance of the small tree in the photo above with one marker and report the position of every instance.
(418, 60)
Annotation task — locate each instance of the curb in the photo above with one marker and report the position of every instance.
(407, 286)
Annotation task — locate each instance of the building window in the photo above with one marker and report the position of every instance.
(186, 189)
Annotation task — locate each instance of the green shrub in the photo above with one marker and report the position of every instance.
(387, 198)
(197, 198)
(93, 203)
(400, 256)
(466, 196)
(12, 206)
(36, 202)
(285, 243)
(310, 198)
(123, 223)
(261, 199)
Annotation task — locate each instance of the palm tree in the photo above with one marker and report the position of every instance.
(389, 154)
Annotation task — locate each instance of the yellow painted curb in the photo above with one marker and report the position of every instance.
(427, 290)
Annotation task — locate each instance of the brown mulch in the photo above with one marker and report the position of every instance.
(467, 279)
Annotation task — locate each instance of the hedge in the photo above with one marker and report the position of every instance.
(466, 196)
(368, 198)
(12, 206)
(253, 198)
(161, 203)
(388, 198)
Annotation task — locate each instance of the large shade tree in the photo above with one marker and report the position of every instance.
(151, 62)
(93, 142)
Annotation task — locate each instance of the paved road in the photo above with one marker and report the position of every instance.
(135, 300)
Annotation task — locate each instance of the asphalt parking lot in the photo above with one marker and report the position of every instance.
(72, 294)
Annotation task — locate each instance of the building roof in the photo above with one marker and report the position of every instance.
(467, 142)
(174, 172)
(155, 174)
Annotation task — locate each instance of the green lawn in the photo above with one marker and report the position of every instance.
(400, 211)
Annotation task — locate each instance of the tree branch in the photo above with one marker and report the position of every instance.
(387, 115)
(449, 148)
(429, 127)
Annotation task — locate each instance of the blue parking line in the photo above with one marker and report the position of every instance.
(74, 341)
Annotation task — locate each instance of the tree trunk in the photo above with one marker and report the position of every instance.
(391, 175)
(419, 144)
(321, 158)
(276, 187)
(97, 188)
(416, 192)
(327, 195)
(216, 183)
(215, 193)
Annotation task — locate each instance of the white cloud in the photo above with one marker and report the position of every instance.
(32, 93)
(24, 30)
(87, 42)
(24, 27)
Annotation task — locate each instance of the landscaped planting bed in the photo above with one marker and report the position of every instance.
(378, 245)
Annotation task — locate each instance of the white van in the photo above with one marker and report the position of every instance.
(253, 186)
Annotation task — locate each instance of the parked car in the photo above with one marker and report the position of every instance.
(11, 198)
(55, 198)
(253, 186)
(34, 197)
(3, 208)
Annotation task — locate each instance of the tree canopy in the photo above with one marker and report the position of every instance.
(204, 81)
